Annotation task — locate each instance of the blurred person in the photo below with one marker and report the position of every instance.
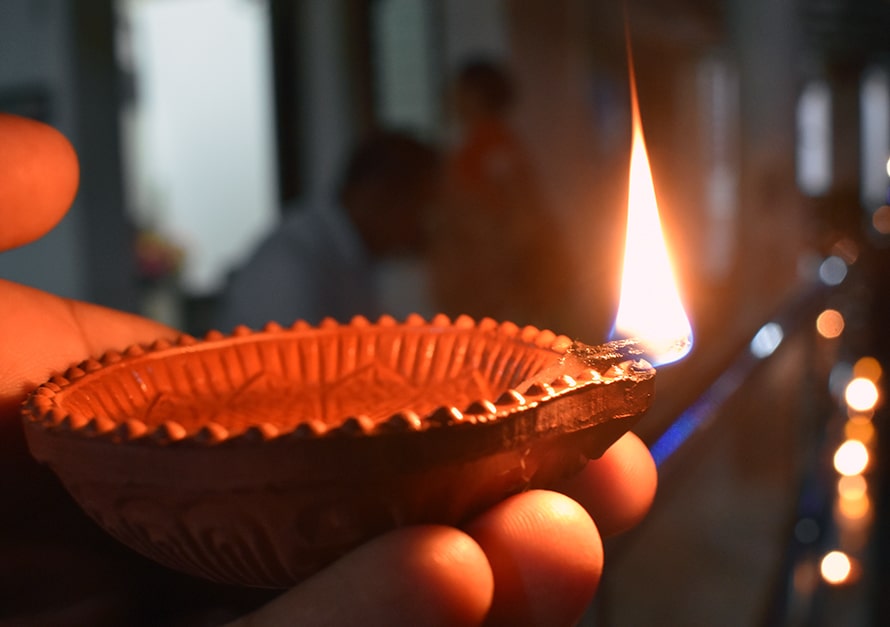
(495, 209)
(325, 261)
(533, 559)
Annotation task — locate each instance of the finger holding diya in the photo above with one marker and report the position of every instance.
(516, 559)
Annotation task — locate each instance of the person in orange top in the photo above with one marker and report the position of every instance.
(490, 168)
(494, 210)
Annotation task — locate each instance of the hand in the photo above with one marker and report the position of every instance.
(535, 558)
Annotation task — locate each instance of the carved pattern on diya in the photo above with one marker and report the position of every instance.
(326, 374)
(184, 534)
(258, 458)
(287, 532)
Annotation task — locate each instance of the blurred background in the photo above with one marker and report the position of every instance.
(202, 125)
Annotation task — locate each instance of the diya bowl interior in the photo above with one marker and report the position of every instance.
(258, 458)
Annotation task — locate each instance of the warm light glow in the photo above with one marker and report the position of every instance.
(846, 249)
(868, 367)
(650, 307)
(805, 577)
(861, 394)
(830, 323)
(853, 487)
(853, 504)
(859, 428)
(851, 458)
(836, 567)
(854, 508)
(880, 219)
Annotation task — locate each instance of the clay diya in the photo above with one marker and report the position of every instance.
(260, 457)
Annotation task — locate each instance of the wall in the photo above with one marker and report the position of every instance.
(36, 57)
(201, 131)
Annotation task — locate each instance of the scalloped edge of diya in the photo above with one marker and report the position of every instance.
(605, 363)
(289, 500)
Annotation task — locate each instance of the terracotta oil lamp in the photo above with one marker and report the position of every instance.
(260, 457)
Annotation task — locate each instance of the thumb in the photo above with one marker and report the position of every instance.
(425, 575)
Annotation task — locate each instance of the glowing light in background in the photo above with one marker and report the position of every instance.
(805, 578)
(830, 324)
(836, 567)
(852, 487)
(868, 367)
(650, 307)
(847, 249)
(833, 271)
(767, 340)
(880, 219)
(861, 394)
(854, 508)
(851, 458)
(860, 428)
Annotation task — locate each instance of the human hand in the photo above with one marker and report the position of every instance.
(535, 558)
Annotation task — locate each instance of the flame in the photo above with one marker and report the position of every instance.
(650, 308)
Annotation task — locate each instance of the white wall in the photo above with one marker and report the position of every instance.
(202, 132)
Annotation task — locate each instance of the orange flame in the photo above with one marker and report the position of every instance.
(650, 308)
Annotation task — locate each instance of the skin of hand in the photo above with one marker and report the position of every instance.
(533, 559)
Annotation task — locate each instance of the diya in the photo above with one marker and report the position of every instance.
(260, 457)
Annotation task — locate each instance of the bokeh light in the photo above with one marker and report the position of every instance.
(767, 340)
(852, 487)
(847, 249)
(805, 578)
(861, 394)
(851, 458)
(830, 323)
(880, 219)
(836, 567)
(860, 428)
(868, 367)
(840, 375)
(833, 271)
(854, 508)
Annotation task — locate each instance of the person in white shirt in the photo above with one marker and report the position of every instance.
(322, 262)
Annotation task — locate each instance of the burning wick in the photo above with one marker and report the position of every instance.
(649, 308)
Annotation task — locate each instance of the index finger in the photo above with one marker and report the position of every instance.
(38, 179)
